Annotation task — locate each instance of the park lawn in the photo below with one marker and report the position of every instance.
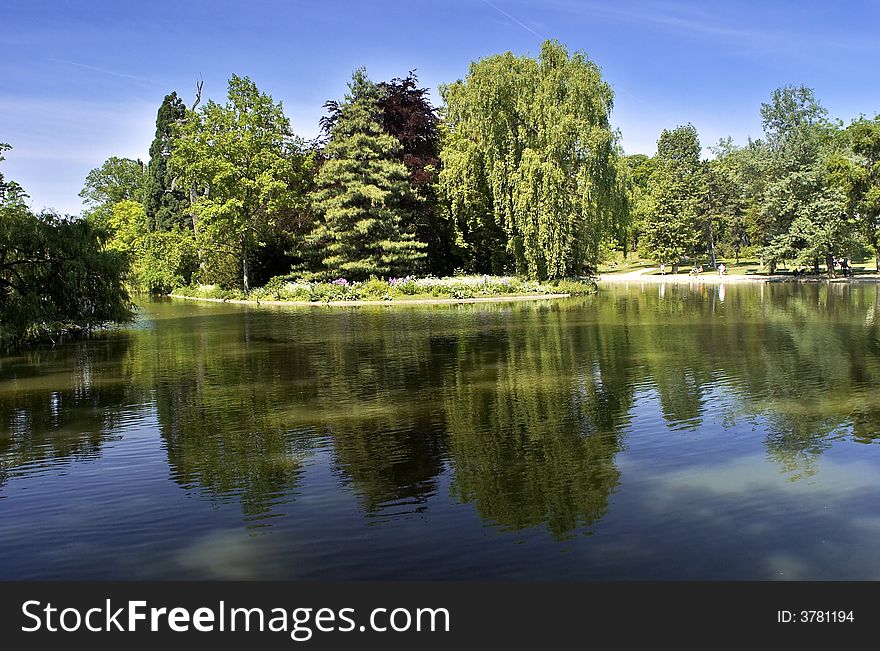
(625, 265)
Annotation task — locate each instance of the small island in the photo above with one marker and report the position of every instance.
(400, 291)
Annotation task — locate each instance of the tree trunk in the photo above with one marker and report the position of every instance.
(829, 265)
(245, 283)
(711, 244)
(675, 268)
(816, 265)
(195, 223)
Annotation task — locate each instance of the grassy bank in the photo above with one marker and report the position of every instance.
(284, 288)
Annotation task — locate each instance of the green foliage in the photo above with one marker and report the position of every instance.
(289, 288)
(727, 203)
(530, 163)
(405, 112)
(246, 169)
(637, 170)
(854, 169)
(165, 203)
(56, 276)
(361, 190)
(159, 260)
(377, 290)
(10, 191)
(802, 216)
(800, 195)
(118, 179)
(211, 291)
(672, 225)
(169, 260)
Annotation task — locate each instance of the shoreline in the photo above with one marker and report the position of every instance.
(644, 276)
(425, 301)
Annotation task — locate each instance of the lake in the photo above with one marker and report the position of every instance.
(647, 432)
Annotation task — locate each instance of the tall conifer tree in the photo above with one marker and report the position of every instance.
(164, 204)
(361, 192)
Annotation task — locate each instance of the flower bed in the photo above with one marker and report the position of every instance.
(285, 288)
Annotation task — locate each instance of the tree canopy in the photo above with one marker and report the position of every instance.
(673, 211)
(246, 169)
(165, 202)
(56, 274)
(530, 164)
(361, 194)
(117, 179)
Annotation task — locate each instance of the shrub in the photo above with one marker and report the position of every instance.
(407, 286)
(574, 287)
(460, 291)
(376, 290)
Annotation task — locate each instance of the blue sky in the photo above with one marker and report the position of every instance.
(81, 81)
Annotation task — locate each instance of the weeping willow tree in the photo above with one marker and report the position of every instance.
(531, 163)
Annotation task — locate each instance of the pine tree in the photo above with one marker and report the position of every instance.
(406, 112)
(361, 192)
(164, 204)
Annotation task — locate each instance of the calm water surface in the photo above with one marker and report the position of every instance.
(649, 432)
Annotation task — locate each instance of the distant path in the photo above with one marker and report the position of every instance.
(647, 276)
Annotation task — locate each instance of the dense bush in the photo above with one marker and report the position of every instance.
(56, 276)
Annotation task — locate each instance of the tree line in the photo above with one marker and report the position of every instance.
(518, 172)
(805, 193)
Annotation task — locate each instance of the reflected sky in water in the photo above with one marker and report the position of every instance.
(649, 432)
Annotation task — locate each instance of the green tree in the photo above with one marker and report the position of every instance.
(247, 168)
(673, 224)
(794, 193)
(118, 179)
(530, 166)
(55, 273)
(56, 276)
(729, 196)
(128, 226)
(855, 171)
(10, 191)
(165, 203)
(639, 169)
(360, 193)
(160, 260)
(406, 112)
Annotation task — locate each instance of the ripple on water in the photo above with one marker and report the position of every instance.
(645, 432)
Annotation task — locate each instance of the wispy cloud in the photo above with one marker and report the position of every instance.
(708, 21)
(672, 16)
(516, 20)
(104, 71)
